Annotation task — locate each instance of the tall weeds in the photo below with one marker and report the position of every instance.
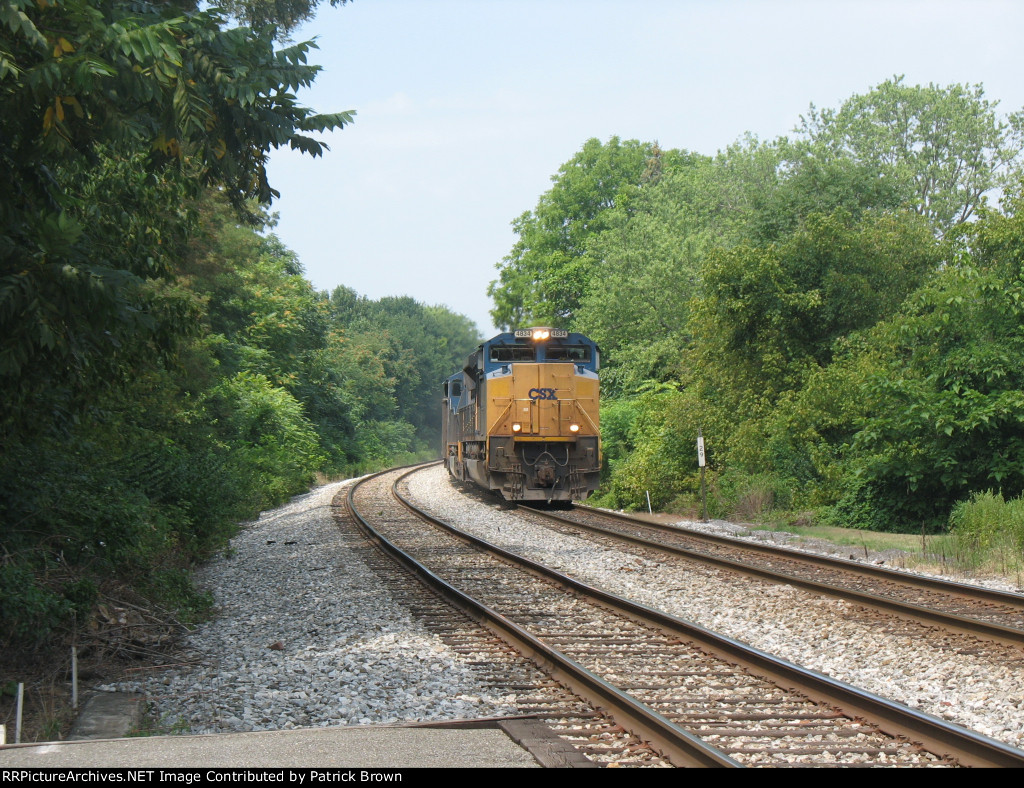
(989, 532)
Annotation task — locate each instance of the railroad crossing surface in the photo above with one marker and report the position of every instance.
(311, 748)
(517, 743)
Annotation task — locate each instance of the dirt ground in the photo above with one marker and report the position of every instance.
(122, 637)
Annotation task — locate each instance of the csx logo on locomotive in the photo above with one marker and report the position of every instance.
(536, 394)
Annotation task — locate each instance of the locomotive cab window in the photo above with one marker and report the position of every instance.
(453, 393)
(577, 353)
(505, 353)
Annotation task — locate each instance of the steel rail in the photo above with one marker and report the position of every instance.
(907, 578)
(938, 736)
(675, 743)
(926, 615)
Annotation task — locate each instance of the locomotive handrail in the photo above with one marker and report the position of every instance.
(594, 427)
(508, 407)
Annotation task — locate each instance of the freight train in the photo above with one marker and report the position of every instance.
(521, 417)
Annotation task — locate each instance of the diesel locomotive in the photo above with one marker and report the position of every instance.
(521, 417)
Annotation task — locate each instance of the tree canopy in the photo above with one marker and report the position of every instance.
(166, 369)
(945, 147)
(837, 311)
(115, 104)
(285, 15)
(545, 274)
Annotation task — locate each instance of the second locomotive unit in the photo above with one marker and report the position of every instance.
(521, 418)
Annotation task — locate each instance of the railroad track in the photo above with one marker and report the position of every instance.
(586, 736)
(699, 698)
(972, 610)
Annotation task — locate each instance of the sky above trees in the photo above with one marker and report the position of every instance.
(465, 109)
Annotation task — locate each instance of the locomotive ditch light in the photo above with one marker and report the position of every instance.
(574, 428)
(517, 427)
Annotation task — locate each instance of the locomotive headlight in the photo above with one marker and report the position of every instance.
(517, 427)
(574, 428)
(540, 334)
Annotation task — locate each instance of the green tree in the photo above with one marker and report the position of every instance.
(286, 15)
(945, 147)
(153, 103)
(636, 305)
(810, 181)
(543, 278)
(648, 262)
(271, 438)
(420, 347)
(950, 420)
(766, 314)
(115, 118)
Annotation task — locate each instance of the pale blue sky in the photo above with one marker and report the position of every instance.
(466, 108)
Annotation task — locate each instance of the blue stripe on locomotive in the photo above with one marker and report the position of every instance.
(508, 339)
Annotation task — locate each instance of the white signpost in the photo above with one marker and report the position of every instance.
(702, 461)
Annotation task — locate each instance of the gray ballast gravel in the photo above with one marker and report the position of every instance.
(305, 635)
(787, 622)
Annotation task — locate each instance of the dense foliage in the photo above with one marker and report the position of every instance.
(839, 312)
(166, 370)
(273, 384)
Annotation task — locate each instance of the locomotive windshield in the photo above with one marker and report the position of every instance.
(506, 353)
(567, 353)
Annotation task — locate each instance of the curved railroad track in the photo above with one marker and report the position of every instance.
(560, 728)
(699, 698)
(972, 610)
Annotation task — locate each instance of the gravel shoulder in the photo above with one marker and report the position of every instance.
(305, 636)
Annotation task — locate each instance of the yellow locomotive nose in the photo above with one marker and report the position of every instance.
(522, 416)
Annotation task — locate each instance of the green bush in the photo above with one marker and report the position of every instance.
(861, 507)
(30, 612)
(274, 448)
(988, 528)
(751, 497)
